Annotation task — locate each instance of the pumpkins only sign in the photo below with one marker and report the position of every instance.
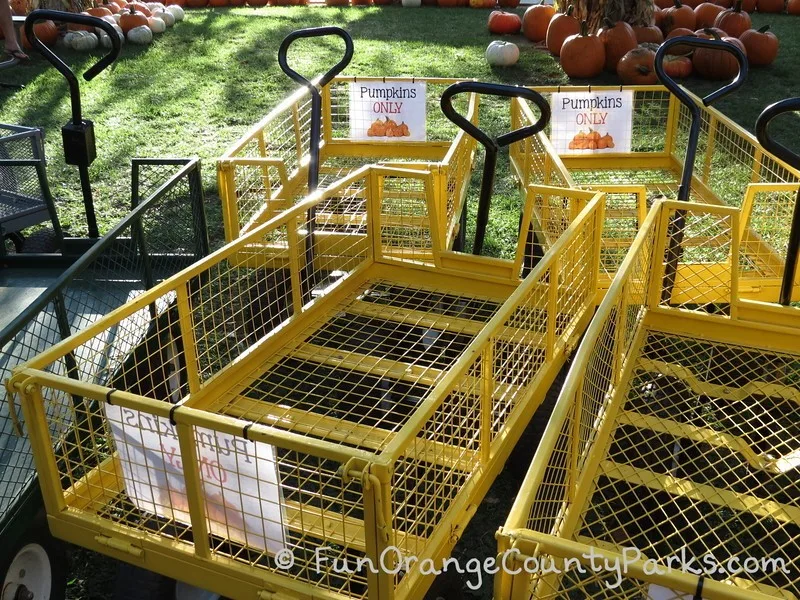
(591, 122)
(388, 112)
(239, 478)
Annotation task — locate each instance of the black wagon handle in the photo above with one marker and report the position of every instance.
(676, 228)
(309, 33)
(93, 71)
(792, 159)
(491, 145)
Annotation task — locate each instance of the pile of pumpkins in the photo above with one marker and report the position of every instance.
(630, 51)
(135, 22)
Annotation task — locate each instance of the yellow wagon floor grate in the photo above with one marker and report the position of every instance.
(357, 374)
(704, 459)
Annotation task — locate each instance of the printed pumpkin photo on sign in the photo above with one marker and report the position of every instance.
(388, 112)
(588, 122)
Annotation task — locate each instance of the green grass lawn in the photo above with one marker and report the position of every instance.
(200, 85)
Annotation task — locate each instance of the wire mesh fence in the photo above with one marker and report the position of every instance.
(675, 435)
(164, 233)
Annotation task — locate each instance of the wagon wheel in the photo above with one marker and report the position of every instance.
(35, 569)
(491, 146)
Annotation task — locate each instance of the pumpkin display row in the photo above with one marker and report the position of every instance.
(135, 22)
(388, 128)
(591, 141)
(763, 6)
(630, 51)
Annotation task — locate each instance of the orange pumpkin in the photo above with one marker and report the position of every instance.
(504, 23)
(583, 55)
(678, 67)
(749, 6)
(678, 16)
(793, 7)
(562, 25)
(76, 27)
(663, 4)
(761, 46)
(536, 20)
(649, 33)
(217, 3)
(636, 67)
(717, 64)
(733, 21)
(723, 3)
(617, 40)
(706, 13)
(131, 18)
(509, 3)
(178, 2)
(769, 6)
(710, 33)
(46, 31)
(680, 49)
(141, 7)
(20, 7)
(99, 11)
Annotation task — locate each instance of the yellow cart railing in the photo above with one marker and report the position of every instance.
(229, 429)
(674, 444)
(731, 169)
(265, 172)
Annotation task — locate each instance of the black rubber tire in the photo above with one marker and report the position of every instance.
(56, 554)
(135, 583)
(43, 241)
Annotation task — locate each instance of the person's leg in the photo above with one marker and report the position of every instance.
(7, 26)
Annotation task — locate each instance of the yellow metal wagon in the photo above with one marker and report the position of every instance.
(731, 168)
(669, 468)
(297, 439)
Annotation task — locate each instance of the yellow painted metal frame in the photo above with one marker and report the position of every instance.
(552, 508)
(760, 284)
(537, 324)
(449, 161)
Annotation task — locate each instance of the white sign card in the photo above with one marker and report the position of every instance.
(656, 592)
(239, 478)
(591, 122)
(388, 112)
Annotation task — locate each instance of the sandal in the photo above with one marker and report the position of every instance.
(18, 54)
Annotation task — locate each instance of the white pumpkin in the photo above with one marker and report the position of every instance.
(120, 33)
(411, 3)
(84, 41)
(156, 25)
(116, 18)
(165, 16)
(502, 54)
(154, 6)
(65, 41)
(109, 19)
(177, 12)
(140, 35)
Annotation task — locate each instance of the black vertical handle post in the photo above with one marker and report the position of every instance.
(793, 160)
(675, 232)
(491, 146)
(316, 124)
(82, 131)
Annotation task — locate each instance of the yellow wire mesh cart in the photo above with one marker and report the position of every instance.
(257, 417)
(675, 440)
(730, 168)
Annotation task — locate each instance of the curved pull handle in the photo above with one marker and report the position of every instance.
(491, 146)
(495, 89)
(792, 159)
(765, 139)
(697, 42)
(61, 66)
(315, 32)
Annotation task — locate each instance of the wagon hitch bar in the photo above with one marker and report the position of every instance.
(792, 159)
(492, 146)
(78, 134)
(313, 88)
(675, 234)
